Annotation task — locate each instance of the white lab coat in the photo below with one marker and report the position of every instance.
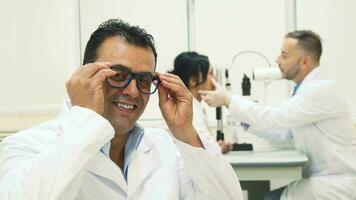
(200, 123)
(320, 123)
(61, 159)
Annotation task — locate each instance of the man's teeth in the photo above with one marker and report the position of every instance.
(126, 106)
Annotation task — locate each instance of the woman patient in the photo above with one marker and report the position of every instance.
(197, 73)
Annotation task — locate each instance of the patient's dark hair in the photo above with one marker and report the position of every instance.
(309, 42)
(188, 65)
(116, 27)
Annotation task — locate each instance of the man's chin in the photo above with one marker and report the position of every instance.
(122, 125)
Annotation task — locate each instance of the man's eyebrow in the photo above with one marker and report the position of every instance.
(121, 67)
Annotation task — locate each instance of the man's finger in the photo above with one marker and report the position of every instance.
(171, 86)
(170, 75)
(171, 78)
(89, 70)
(102, 74)
(162, 94)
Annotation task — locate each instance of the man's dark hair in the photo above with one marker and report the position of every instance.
(308, 41)
(116, 27)
(189, 65)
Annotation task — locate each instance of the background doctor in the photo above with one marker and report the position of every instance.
(197, 74)
(95, 149)
(316, 117)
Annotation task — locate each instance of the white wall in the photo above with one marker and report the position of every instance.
(335, 22)
(39, 47)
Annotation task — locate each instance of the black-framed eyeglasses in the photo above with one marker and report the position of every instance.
(146, 82)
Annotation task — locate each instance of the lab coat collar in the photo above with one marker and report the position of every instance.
(141, 166)
(145, 145)
(311, 76)
(66, 105)
(102, 166)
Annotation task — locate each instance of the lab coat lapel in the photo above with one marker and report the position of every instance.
(102, 166)
(313, 75)
(141, 166)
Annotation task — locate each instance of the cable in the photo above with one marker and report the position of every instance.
(251, 52)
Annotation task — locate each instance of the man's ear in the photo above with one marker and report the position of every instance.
(307, 63)
(307, 60)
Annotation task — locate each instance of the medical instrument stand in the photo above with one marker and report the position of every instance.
(219, 131)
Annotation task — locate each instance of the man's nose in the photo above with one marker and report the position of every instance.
(131, 90)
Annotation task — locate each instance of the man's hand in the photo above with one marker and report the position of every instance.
(176, 104)
(86, 86)
(219, 97)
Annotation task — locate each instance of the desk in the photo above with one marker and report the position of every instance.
(256, 169)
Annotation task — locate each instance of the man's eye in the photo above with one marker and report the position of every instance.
(120, 77)
(145, 81)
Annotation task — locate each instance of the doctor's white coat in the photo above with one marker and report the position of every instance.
(321, 126)
(61, 159)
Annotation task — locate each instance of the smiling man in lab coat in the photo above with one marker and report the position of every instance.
(95, 149)
(315, 116)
